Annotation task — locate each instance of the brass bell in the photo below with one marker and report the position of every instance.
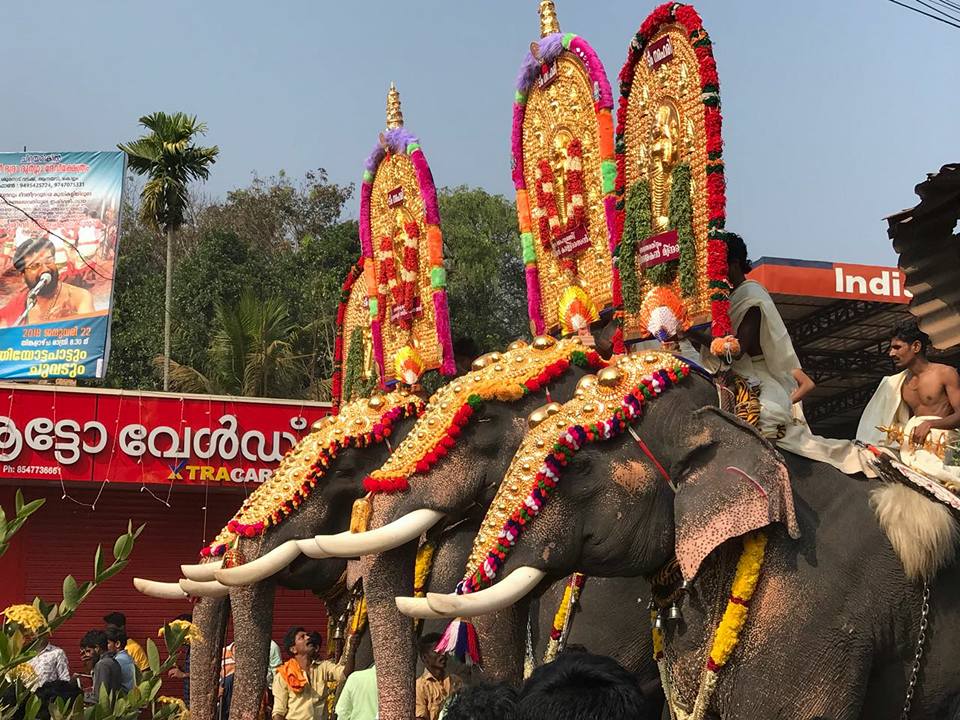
(673, 614)
(658, 622)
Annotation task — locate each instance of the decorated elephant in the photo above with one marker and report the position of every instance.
(796, 603)
(416, 490)
(313, 490)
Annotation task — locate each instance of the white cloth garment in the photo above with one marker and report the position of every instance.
(772, 373)
(887, 409)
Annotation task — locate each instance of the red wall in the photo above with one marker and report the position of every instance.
(61, 538)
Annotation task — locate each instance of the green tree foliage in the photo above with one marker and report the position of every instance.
(485, 280)
(283, 243)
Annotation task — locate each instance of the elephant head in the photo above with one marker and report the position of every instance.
(448, 466)
(311, 491)
(618, 482)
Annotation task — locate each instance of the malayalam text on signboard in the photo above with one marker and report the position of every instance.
(59, 221)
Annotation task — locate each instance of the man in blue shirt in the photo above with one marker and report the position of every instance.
(116, 642)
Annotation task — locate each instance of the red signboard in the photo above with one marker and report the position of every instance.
(842, 281)
(572, 243)
(659, 249)
(395, 197)
(658, 53)
(51, 433)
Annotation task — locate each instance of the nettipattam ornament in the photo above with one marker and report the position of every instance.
(506, 376)
(358, 424)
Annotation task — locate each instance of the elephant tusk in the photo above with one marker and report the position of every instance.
(392, 535)
(417, 608)
(210, 589)
(260, 568)
(161, 590)
(203, 572)
(310, 548)
(483, 602)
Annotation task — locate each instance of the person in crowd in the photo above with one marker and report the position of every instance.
(300, 686)
(133, 648)
(923, 399)
(116, 644)
(53, 299)
(228, 665)
(314, 641)
(358, 699)
(50, 663)
(581, 686)
(485, 701)
(434, 685)
(106, 671)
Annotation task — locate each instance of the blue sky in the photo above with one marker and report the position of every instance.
(833, 110)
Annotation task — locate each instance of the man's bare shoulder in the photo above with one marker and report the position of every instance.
(947, 373)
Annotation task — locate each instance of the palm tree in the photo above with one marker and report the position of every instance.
(252, 353)
(170, 159)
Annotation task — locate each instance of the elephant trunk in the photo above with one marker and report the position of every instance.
(394, 648)
(210, 616)
(252, 608)
(503, 637)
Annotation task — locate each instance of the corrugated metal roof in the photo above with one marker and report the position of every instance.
(929, 249)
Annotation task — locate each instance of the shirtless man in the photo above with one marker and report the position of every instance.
(928, 388)
(55, 300)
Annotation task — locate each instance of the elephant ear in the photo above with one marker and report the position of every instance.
(742, 486)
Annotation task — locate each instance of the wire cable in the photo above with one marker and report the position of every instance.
(938, 10)
(918, 10)
(56, 235)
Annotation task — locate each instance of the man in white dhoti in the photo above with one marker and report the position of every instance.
(919, 407)
(768, 361)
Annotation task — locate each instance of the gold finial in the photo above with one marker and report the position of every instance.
(394, 114)
(548, 18)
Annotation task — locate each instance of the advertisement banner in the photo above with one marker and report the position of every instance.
(95, 435)
(59, 220)
(840, 281)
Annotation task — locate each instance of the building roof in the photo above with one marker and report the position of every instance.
(840, 316)
(929, 247)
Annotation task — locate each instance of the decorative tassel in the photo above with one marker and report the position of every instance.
(460, 640)
(360, 516)
(441, 314)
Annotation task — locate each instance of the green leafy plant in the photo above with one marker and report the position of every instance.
(25, 627)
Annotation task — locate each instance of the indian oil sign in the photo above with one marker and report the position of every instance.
(75, 435)
(841, 281)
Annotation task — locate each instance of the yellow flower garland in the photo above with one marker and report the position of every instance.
(26, 616)
(181, 706)
(422, 568)
(727, 635)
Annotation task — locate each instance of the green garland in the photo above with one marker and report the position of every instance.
(638, 225)
(681, 218)
(353, 372)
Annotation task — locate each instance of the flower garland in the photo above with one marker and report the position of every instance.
(727, 634)
(571, 596)
(562, 451)
(549, 49)
(687, 17)
(411, 262)
(546, 211)
(336, 382)
(401, 141)
(359, 424)
(638, 226)
(437, 432)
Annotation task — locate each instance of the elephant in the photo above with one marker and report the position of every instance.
(462, 483)
(832, 627)
(272, 557)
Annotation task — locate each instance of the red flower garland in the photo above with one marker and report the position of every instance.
(688, 17)
(411, 263)
(548, 216)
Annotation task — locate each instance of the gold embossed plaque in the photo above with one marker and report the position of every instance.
(669, 141)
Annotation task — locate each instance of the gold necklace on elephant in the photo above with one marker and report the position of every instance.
(725, 638)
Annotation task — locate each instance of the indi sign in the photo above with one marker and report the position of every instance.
(91, 436)
(842, 281)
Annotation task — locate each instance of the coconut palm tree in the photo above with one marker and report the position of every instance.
(252, 353)
(170, 160)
